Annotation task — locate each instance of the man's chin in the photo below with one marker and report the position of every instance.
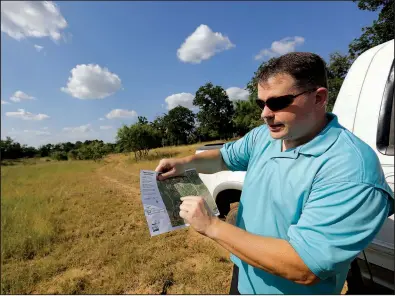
(277, 136)
(281, 134)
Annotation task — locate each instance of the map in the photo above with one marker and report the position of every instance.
(161, 199)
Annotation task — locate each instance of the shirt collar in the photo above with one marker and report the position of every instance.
(318, 145)
(325, 139)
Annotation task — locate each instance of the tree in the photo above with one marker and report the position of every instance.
(28, 151)
(252, 85)
(137, 138)
(45, 150)
(179, 124)
(13, 150)
(59, 155)
(247, 116)
(78, 144)
(216, 112)
(382, 29)
(96, 150)
(160, 127)
(142, 120)
(337, 70)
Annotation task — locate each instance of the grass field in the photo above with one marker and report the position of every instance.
(78, 227)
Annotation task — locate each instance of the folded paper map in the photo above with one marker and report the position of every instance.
(161, 199)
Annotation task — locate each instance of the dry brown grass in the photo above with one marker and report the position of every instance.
(78, 227)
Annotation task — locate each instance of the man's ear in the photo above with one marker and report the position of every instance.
(321, 97)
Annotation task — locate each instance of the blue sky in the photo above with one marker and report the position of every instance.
(142, 58)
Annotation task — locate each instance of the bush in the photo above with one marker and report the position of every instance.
(73, 154)
(59, 155)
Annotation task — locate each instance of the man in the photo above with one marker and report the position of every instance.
(314, 195)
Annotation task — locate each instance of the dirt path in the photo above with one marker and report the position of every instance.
(106, 171)
(126, 188)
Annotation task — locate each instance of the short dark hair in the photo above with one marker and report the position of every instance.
(308, 69)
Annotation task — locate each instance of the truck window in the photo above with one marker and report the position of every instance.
(385, 127)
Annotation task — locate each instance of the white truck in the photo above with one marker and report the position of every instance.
(365, 106)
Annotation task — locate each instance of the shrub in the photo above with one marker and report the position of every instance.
(59, 155)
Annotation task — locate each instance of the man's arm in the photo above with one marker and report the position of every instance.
(206, 162)
(338, 221)
(273, 255)
(232, 156)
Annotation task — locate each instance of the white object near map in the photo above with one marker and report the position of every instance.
(161, 199)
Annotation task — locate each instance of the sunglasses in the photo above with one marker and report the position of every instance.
(279, 103)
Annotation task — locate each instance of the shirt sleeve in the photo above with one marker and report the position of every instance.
(236, 154)
(337, 223)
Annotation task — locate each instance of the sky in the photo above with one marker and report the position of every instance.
(80, 70)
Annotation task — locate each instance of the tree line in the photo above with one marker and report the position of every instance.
(89, 149)
(218, 117)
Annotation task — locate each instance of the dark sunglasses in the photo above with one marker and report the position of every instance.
(278, 103)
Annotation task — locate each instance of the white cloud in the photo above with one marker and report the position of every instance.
(38, 47)
(237, 94)
(22, 114)
(38, 19)
(101, 118)
(79, 129)
(4, 102)
(280, 47)
(202, 45)
(20, 95)
(105, 127)
(91, 82)
(181, 99)
(121, 113)
(37, 133)
(44, 128)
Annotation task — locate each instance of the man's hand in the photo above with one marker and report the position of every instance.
(170, 167)
(272, 255)
(197, 213)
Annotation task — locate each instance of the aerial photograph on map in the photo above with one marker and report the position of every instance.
(173, 189)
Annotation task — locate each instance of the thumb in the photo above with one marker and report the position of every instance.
(167, 175)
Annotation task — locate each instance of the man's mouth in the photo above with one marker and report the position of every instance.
(276, 127)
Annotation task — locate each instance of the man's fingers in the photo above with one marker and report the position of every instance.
(186, 207)
(183, 214)
(191, 198)
(161, 167)
(191, 203)
(166, 175)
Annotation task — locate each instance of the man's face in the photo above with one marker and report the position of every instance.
(295, 121)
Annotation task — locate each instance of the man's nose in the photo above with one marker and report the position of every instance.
(267, 113)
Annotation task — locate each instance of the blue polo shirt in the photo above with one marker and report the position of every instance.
(328, 198)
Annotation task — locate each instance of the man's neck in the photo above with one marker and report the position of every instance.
(286, 144)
